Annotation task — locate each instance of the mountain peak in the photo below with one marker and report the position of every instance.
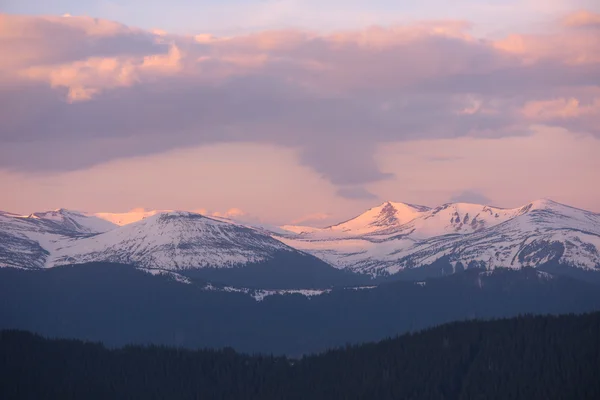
(545, 203)
(377, 242)
(57, 212)
(175, 240)
(72, 220)
(180, 214)
(184, 217)
(387, 215)
(542, 204)
(401, 205)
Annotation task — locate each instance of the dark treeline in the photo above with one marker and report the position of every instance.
(528, 357)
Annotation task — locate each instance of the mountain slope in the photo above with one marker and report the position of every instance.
(190, 244)
(119, 305)
(394, 238)
(73, 221)
(464, 234)
(174, 241)
(377, 220)
(29, 241)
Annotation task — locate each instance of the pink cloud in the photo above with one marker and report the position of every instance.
(582, 19)
(46, 40)
(376, 57)
(333, 97)
(84, 79)
(231, 213)
(560, 108)
(314, 217)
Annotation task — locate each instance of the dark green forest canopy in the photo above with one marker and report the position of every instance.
(528, 357)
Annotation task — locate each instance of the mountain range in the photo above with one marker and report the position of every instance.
(387, 241)
(398, 237)
(184, 279)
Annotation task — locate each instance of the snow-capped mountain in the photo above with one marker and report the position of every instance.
(390, 238)
(62, 220)
(184, 245)
(379, 243)
(27, 241)
(377, 220)
(175, 240)
(166, 240)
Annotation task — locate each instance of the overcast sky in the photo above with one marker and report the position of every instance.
(297, 111)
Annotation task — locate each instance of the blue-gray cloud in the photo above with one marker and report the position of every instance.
(356, 193)
(471, 196)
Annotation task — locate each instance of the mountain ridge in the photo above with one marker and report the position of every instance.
(465, 233)
(383, 241)
(121, 304)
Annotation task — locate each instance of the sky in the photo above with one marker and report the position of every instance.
(297, 111)
(237, 16)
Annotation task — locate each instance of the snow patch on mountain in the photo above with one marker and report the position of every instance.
(261, 294)
(172, 275)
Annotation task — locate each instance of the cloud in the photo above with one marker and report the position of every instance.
(471, 196)
(443, 158)
(49, 40)
(560, 108)
(582, 19)
(355, 193)
(85, 79)
(81, 91)
(315, 217)
(231, 213)
(346, 163)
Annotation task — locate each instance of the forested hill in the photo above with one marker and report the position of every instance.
(117, 305)
(527, 357)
